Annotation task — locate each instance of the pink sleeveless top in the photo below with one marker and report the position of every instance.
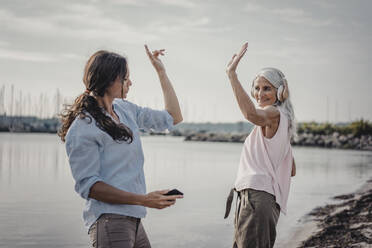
(266, 164)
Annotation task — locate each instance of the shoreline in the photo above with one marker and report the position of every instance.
(347, 222)
(333, 141)
(364, 143)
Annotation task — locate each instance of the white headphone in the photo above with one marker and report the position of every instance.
(279, 93)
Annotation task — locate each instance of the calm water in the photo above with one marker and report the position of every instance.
(39, 208)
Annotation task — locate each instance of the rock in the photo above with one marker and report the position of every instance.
(298, 139)
(370, 140)
(309, 142)
(356, 141)
(336, 143)
(367, 148)
(335, 134)
(320, 142)
(350, 136)
(343, 139)
(176, 133)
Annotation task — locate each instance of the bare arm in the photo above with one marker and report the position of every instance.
(261, 117)
(106, 193)
(293, 172)
(170, 98)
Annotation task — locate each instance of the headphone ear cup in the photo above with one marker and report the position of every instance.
(279, 93)
(285, 94)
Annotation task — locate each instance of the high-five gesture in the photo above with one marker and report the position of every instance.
(170, 97)
(154, 58)
(231, 66)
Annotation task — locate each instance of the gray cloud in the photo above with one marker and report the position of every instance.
(321, 47)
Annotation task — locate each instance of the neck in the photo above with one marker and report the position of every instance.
(106, 103)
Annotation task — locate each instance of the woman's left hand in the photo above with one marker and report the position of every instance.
(231, 66)
(154, 58)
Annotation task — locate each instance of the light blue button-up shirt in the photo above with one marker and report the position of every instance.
(94, 156)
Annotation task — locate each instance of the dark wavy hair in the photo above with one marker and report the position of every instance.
(100, 72)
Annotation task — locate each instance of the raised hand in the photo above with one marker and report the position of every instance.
(231, 66)
(158, 200)
(154, 58)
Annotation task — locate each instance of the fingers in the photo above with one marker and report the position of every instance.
(172, 197)
(232, 59)
(155, 53)
(165, 204)
(243, 50)
(148, 51)
(244, 47)
(162, 192)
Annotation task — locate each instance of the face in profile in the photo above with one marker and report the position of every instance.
(264, 92)
(120, 87)
(126, 84)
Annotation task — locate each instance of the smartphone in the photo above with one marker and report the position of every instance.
(174, 192)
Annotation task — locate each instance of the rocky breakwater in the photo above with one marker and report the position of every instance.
(334, 140)
(216, 137)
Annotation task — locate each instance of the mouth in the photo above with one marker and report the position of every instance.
(262, 102)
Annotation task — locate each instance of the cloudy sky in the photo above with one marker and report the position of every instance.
(323, 48)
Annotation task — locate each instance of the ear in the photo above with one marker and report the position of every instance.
(285, 93)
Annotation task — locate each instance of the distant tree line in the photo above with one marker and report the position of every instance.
(356, 128)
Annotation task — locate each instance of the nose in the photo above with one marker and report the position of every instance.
(260, 93)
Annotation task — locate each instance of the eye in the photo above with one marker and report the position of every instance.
(257, 88)
(267, 88)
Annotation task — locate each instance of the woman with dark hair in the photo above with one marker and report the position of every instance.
(266, 162)
(101, 131)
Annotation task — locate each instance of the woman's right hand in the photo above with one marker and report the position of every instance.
(158, 200)
(155, 60)
(231, 66)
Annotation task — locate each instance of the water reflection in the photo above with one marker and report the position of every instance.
(39, 207)
(24, 156)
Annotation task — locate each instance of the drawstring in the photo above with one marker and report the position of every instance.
(229, 200)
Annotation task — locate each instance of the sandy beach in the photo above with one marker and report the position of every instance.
(345, 223)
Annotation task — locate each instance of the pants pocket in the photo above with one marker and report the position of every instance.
(119, 231)
(249, 201)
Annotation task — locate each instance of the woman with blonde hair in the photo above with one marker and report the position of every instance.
(266, 162)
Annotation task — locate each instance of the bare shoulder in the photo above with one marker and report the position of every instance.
(271, 112)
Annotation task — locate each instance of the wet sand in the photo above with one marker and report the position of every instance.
(346, 223)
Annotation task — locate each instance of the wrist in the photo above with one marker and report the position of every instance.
(141, 200)
(232, 74)
(161, 72)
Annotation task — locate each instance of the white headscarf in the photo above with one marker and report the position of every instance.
(277, 79)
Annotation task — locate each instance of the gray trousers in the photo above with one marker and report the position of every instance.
(113, 230)
(255, 222)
